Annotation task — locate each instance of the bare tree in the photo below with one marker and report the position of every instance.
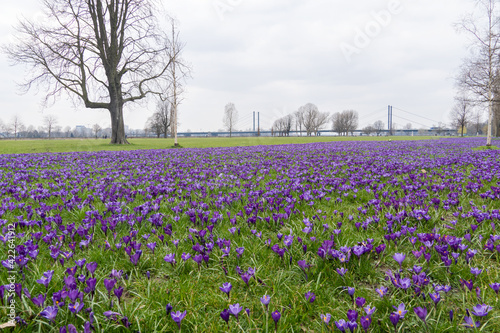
(478, 73)
(49, 121)
(104, 53)
(16, 126)
(461, 113)
(154, 125)
(368, 130)
(408, 126)
(96, 128)
(178, 72)
(164, 116)
(299, 120)
(379, 126)
(230, 118)
(313, 120)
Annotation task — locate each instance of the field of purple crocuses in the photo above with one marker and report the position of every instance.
(393, 236)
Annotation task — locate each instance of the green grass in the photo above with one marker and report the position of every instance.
(73, 145)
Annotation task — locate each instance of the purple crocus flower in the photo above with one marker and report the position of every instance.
(365, 322)
(39, 300)
(135, 257)
(399, 257)
(400, 310)
(481, 310)
(235, 309)
(326, 318)
(495, 286)
(151, 246)
(226, 288)
(470, 323)
(265, 300)
(49, 313)
(225, 315)
(421, 312)
(360, 301)
(185, 256)
(341, 325)
(168, 308)
(118, 292)
(381, 291)
(394, 318)
(352, 315)
(435, 297)
(276, 315)
(310, 296)
(109, 284)
(352, 326)
(369, 310)
(170, 258)
(177, 317)
(91, 267)
(46, 278)
(75, 308)
(341, 271)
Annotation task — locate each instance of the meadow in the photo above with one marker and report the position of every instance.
(351, 236)
(89, 144)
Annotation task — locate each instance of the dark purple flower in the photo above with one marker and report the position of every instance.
(118, 292)
(310, 296)
(360, 301)
(421, 313)
(168, 308)
(135, 257)
(109, 284)
(276, 315)
(151, 246)
(365, 322)
(394, 318)
(39, 300)
(91, 267)
(352, 315)
(225, 315)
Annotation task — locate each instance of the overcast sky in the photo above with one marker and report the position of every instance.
(274, 56)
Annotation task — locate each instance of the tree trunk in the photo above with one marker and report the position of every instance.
(116, 112)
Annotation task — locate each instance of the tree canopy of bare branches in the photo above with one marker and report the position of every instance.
(283, 125)
(461, 113)
(313, 119)
(230, 118)
(161, 121)
(345, 122)
(106, 53)
(379, 126)
(478, 72)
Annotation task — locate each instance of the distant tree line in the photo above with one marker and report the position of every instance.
(310, 120)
